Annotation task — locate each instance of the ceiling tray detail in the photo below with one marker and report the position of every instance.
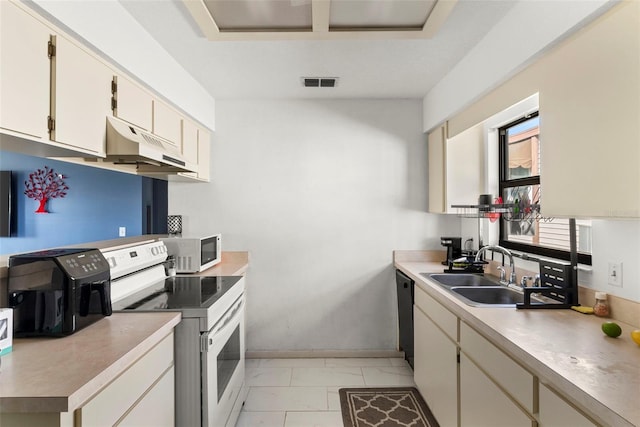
(318, 19)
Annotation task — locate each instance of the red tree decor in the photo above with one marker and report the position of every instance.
(43, 185)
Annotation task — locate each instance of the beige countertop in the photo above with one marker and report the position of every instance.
(563, 348)
(232, 264)
(61, 374)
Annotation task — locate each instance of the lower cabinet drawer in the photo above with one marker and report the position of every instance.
(446, 320)
(483, 404)
(117, 398)
(157, 407)
(517, 381)
(556, 412)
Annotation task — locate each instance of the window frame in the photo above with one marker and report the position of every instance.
(504, 183)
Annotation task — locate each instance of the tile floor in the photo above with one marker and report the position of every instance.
(304, 392)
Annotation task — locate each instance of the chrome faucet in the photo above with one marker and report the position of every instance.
(523, 281)
(512, 276)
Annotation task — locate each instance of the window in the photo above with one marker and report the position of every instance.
(523, 228)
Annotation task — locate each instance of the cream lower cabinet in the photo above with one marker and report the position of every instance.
(556, 412)
(143, 395)
(464, 378)
(435, 358)
(146, 387)
(494, 389)
(482, 403)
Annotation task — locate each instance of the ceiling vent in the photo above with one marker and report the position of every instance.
(319, 81)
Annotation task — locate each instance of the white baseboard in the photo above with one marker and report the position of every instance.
(308, 354)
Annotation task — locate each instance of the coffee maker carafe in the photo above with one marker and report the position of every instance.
(454, 248)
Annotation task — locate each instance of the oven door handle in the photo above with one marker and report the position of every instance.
(228, 317)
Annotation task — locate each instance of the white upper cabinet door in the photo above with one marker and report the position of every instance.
(464, 168)
(204, 155)
(24, 72)
(81, 98)
(133, 103)
(167, 122)
(456, 168)
(189, 141)
(436, 158)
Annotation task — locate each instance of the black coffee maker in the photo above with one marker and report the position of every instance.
(454, 248)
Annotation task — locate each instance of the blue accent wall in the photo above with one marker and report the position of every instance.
(97, 203)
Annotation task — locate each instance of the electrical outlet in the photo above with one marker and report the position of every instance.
(614, 273)
(122, 231)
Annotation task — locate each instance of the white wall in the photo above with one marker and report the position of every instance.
(320, 193)
(616, 241)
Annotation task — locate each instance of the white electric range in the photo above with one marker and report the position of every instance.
(209, 340)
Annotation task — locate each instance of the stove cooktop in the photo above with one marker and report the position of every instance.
(181, 292)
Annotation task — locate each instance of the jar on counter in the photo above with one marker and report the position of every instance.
(601, 307)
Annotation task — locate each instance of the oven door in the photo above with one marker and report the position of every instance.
(223, 367)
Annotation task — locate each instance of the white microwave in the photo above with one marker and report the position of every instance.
(194, 254)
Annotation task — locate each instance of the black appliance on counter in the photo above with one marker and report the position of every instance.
(405, 287)
(454, 248)
(58, 291)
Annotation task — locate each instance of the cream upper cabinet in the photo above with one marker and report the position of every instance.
(81, 96)
(590, 120)
(436, 157)
(456, 168)
(24, 73)
(132, 103)
(464, 170)
(204, 155)
(189, 141)
(167, 122)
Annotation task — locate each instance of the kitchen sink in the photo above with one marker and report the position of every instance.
(460, 279)
(493, 295)
(478, 291)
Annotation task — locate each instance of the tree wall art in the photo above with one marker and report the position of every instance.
(45, 184)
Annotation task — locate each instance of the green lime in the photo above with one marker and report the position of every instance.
(612, 329)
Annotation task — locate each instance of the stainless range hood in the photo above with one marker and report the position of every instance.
(128, 144)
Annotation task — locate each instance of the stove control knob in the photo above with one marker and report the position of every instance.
(154, 251)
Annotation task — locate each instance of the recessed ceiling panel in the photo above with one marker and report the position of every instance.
(379, 14)
(261, 15)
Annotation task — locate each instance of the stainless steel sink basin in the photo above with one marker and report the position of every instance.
(478, 291)
(459, 279)
(494, 295)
